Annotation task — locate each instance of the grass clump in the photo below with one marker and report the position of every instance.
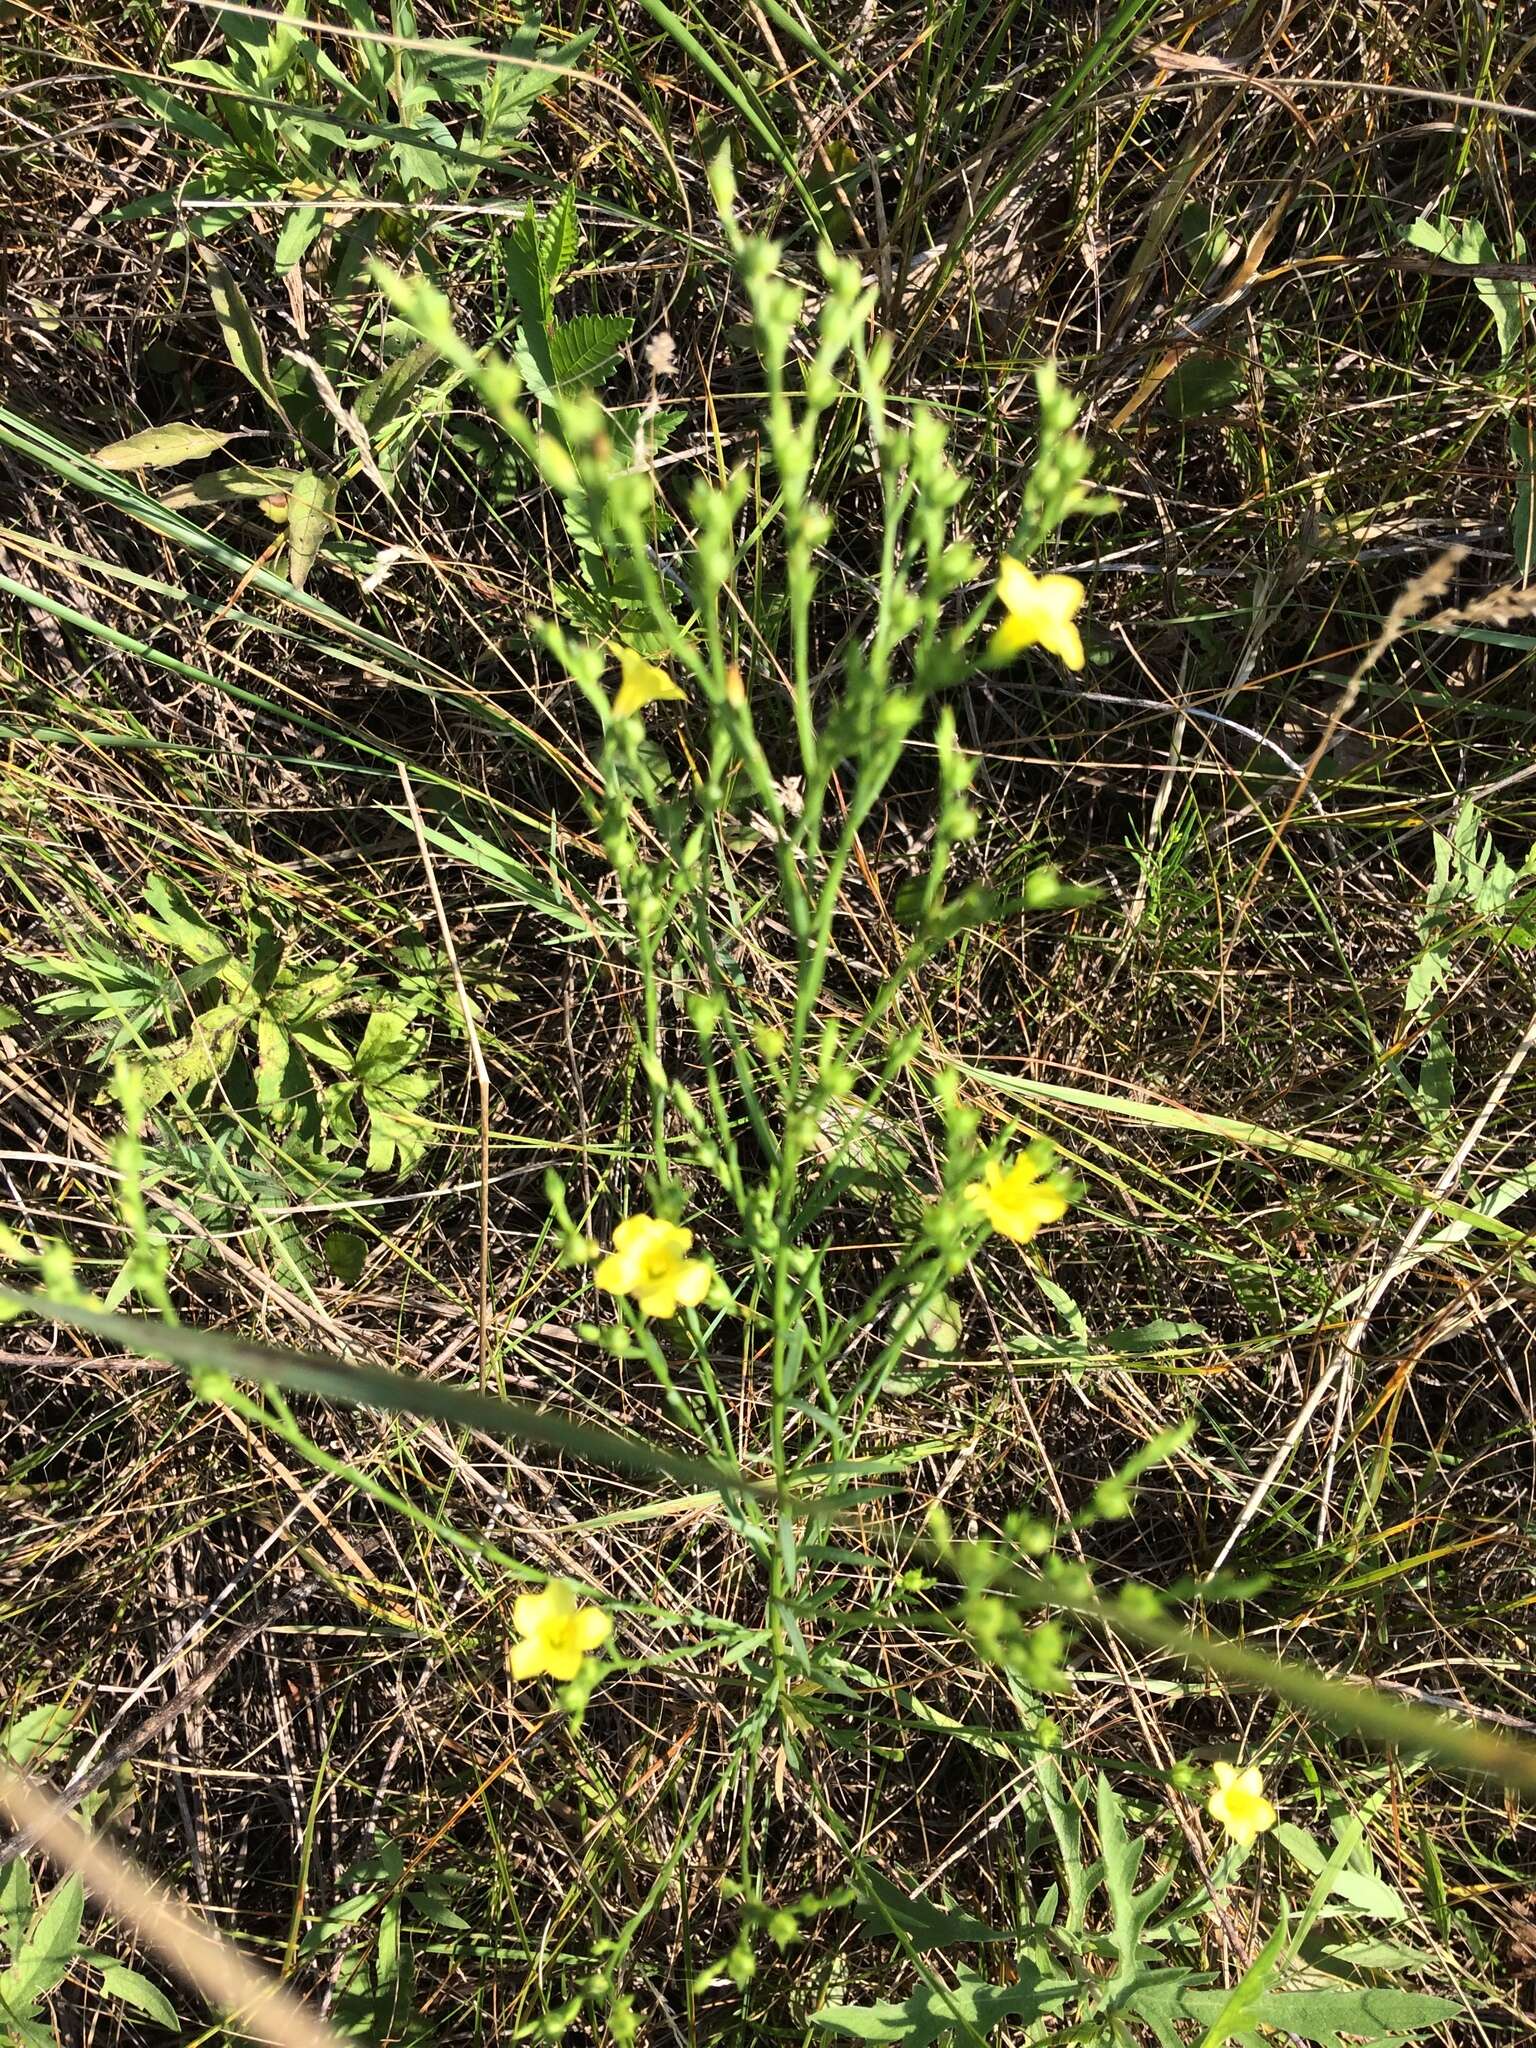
(768, 903)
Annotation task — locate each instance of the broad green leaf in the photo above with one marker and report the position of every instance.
(1342, 1958)
(388, 1047)
(176, 113)
(384, 398)
(429, 159)
(275, 1088)
(310, 503)
(1507, 299)
(192, 1062)
(118, 1981)
(162, 447)
(22, 2031)
(397, 1134)
(48, 1948)
(1206, 382)
(345, 1253)
(1243, 2000)
(512, 90)
(40, 1736)
(1067, 1826)
(242, 337)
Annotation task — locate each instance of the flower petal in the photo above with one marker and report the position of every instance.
(633, 1233)
(526, 1659)
(533, 1612)
(591, 1628)
(1015, 584)
(615, 1274)
(562, 1661)
(692, 1282)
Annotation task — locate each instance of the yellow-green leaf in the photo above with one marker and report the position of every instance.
(309, 521)
(162, 447)
(242, 337)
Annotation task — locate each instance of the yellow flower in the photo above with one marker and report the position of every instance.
(556, 1633)
(1040, 613)
(641, 683)
(649, 1260)
(1239, 1803)
(1015, 1199)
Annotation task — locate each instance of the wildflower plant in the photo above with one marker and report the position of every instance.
(779, 726)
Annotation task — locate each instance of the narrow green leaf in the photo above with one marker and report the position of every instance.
(1522, 521)
(1367, 1894)
(242, 337)
(372, 1386)
(118, 1981)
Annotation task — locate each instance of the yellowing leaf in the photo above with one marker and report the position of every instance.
(162, 447)
(309, 521)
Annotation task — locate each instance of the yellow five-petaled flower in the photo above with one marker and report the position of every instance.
(555, 1632)
(641, 683)
(1017, 1200)
(1239, 1804)
(650, 1261)
(1040, 611)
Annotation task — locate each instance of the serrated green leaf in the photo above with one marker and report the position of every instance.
(558, 242)
(310, 504)
(15, 1903)
(118, 1981)
(22, 2031)
(47, 1949)
(162, 447)
(581, 351)
(388, 1046)
(40, 1736)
